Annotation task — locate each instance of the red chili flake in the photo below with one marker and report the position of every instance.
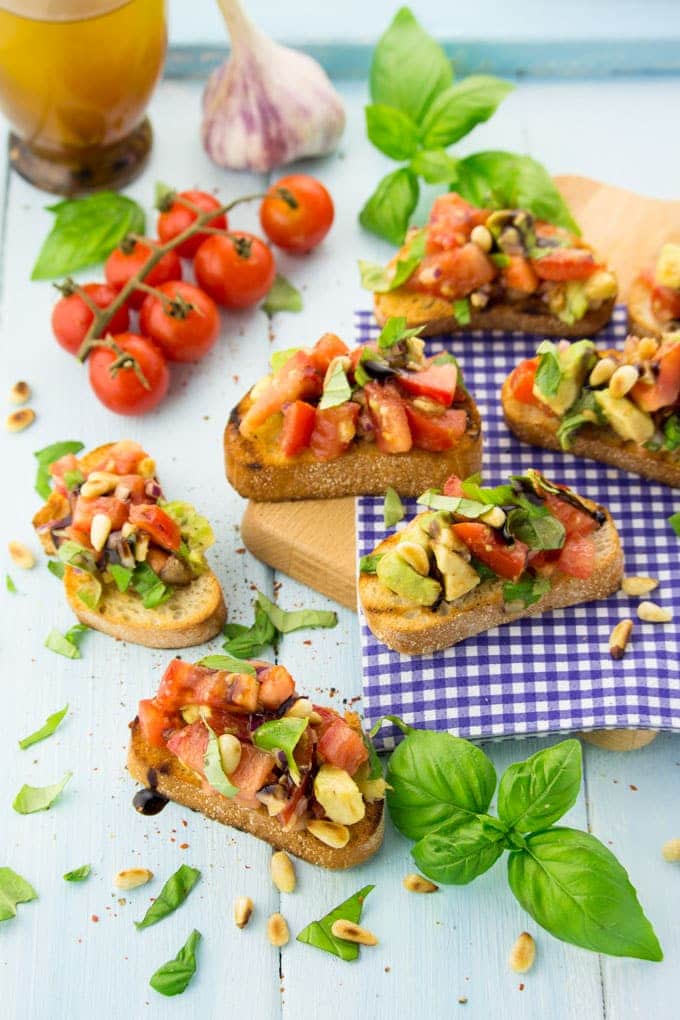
(521, 987)
(307, 642)
(94, 918)
(633, 787)
(184, 846)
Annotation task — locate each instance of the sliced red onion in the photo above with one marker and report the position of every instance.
(153, 489)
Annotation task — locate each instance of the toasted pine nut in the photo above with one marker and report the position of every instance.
(243, 908)
(602, 371)
(142, 547)
(619, 638)
(282, 872)
(481, 236)
(333, 834)
(230, 752)
(277, 930)
(132, 878)
(478, 299)
(495, 517)
(351, 932)
(146, 467)
(98, 483)
(416, 883)
(315, 718)
(100, 529)
(623, 380)
(522, 954)
(21, 555)
(650, 612)
(300, 709)
(639, 585)
(19, 420)
(670, 851)
(20, 393)
(647, 348)
(415, 556)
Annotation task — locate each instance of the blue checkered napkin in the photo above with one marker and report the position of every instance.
(551, 673)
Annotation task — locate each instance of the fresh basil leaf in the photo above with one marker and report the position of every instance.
(46, 730)
(171, 896)
(394, 331)
(246, 642)
(282, 297)
(368, 564)
(381, 279)
(500, 259)
(336, 388)
(536, 531)
(535, 793)
(173, 977)
(576, 889)
(13, 889)
(85, 231)
(47, 456)
(72, 479)
(485, 573)
(10, 585)
(212, 766)
(461, 311)
(391, 130)
(78, 874)
(393, 508)
(67, 644)
(674, 521)
(460, 849)
(548, 372)
(90, 592)
(279, 358)
(281, 735)
(286, 622)
(527, 590)
(388, 210)
(408, 68)
(375, 769)
(374, 277)
(568, 428)
(148, 585)
(228, 663)
(499, 495)
(454, 504)
(57, 568)
(30, 799)
(75, 555)
(121, 575)
(436, 777)
(671, 433)
(460, 107)
(435, 166)
(319, 935)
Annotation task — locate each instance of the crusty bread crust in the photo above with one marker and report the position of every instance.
(259, 470)
(159, 768)
(533, 425)
(641, 318)
(434, 314)
(416, 630)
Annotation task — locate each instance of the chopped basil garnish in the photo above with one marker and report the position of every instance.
(10, 585)
(369, 564)
(72, 479)
(121, 576)
(149, 586)
(454, 504)
(173, 977)
(500, 259)
(13, 889)
(381, 279)
(67, 644)
(395, 330)
(281, 735)
(393, 508)
(46, 730)
(461, 312)
(501, 495)
(38, 798)
(228, 663)
(75, 555)
(527, 590)
(279, 358)
(319, 935)
(78, 874)
(47, 456)
(484, 572)
(297, 619)
(537, 530)
(671, 433)
(171, 896)
(245, 642)
(336, 389)
(212, 766)
(90, 592)
(548, 373)
(57, 568)
(674, 521)
(282, 297)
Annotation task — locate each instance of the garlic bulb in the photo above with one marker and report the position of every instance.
(267, 105)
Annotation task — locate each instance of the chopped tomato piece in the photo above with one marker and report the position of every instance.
(566, 264)
(155, 722)
(451, 222)
(577, 558)
(329, 346)
(334, 430)
(185, 684)
(436, 431)
(190, 744)
(388, 414)
(507, 561)
(438, 382)
(162, 529)
(123, 458)
(453, 486)
(355, 356)
(342, 746)
(520, 275)
(298, 425)
(298, 379)
(79, 537)
(575, 521)
(665, 302)
(665, 390)
(85, 509)
(453, 274)
(58, 469)
(276, 686)
(544, 563)
(131, 487)
(252, 773)
(522, 380)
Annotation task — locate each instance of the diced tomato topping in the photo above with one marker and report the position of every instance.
(575, 521)
(85, 509)
(388, 415)
(435, 432)
(186, 684)
(342, 746)
(223, 721)
(544, 563)
(334, 430)
(577, 558)
(155, 722)
(276, 686)
(79, 537)
(190, 744)
(566, 264)
(507, 561)
(522, 380)
(665, 390)
(58, 469)
(451, 222)
(162, 529)
(252, 773)
(453, 486)
(453, 274)
(131, 487)
(298, 379)
(665, 302)
(520, 275)
(298, 425)
(123, 458)
(438, 382)
(329, 346)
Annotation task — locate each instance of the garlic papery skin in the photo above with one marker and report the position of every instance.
(267, 105)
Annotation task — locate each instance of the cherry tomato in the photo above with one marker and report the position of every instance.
(71, 317)
(183, 334)
(236, 271)
(299, 420)
(164, 531)
(297, 213)
(124, 392)
(388, 414)
(334, 430)
(437, 382)
(122, 264)
(177, 218)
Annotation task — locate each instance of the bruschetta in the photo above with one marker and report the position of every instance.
(134, 563)
(236, 741)
(477, 558)
(329, 422)
(654, 296)
(621, 407)
(472, 268)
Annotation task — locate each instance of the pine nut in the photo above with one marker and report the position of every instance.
(522, 954)
(415, 556)
(619, 638)
(351, 932)
(243, 909)
(670, 851)
(333, 834)
(19, 420)
(277, 930)
(146, 467)
(623, 380)
(602, 371)
(495, 517)
(142, 548)
(639, 585)
(478, 299)
(20, 393)
(481, 236)
(98, 483)
(650, 612)
(416, 883)
(100, 529)
(21, 555)
(647, 348)
(132, 878)
(230, 752)
(282, 872)
(301, 709)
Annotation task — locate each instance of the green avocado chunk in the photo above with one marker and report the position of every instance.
(402, 579)
(574, 364)
(627, 420)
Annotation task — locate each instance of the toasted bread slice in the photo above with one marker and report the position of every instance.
(539, 427)
(415, 630)
(434, 313)
(165, 773)
(642, 320)
(258, 469)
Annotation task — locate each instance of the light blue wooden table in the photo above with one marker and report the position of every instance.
(75, 953)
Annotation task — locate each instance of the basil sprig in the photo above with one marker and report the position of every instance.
(174, 976)
(438, 793)
(319, 934)
(171, 896)
(13, 889)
